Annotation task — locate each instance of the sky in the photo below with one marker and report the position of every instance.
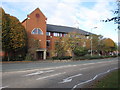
(82, 14)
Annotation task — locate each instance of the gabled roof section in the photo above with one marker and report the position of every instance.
(64, 29)
(24, 20)
(39, 10)
(33, 12)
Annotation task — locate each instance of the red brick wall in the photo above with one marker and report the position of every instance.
(36, 21)
(52, 42)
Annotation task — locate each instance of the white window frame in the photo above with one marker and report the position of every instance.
(49, 33)
(37, 31)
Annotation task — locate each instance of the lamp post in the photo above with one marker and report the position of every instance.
(91, 42)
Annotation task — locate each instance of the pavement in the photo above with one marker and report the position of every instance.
(72, 74)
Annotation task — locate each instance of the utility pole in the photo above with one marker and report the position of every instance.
(91, 42)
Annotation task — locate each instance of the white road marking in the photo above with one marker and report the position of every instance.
(39, 72)
(58, 67)
(3, 87)
(93, 78)
(69, 79)
(51, 76)
(98, 62)
(42, 69)
(85, 68)
(65, 66)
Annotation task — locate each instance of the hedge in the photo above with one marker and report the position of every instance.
(61, 58)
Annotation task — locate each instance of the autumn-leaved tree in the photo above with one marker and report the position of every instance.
(32, 47)
(14, 37)
(109, 45)
(59, 48)
(72, 43)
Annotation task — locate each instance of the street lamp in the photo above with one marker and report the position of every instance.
(91, 40)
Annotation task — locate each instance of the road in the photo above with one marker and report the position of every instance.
(70, 75)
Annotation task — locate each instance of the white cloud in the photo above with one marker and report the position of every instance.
(65, 12)
(100, 11)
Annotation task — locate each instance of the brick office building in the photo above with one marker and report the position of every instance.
(37, 28)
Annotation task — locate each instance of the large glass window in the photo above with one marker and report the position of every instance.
(34, 31)
(37, 31)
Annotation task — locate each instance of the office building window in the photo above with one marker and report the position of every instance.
(56, 34)
(48, 43)
(37, 31)
(60, 34)
(65, 34)
(48, 33)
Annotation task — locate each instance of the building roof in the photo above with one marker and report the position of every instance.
(65, 29)
(33, 12)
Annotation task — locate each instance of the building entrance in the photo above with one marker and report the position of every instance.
(40, 55)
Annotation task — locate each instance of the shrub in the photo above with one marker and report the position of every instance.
(80, 51)
(5, 58)
(118, 54)
(61, 58)
(28, 57)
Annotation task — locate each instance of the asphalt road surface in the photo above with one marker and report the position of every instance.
(70, 75)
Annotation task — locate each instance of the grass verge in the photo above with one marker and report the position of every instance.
(109, 81)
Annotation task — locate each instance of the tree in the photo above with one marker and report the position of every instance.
(32, 47)
(59, 48)
(80, 51)
(5, 32)
(71, 43)
(96, 43)
(109, 45)
(14, 37)
(116, 19)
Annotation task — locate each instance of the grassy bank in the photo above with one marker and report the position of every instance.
(109, 81)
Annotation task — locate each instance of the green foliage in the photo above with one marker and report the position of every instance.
(88, 57)
(14, 37)
(109, 45)
(28, 57)
(100, 44)
(17, 34)
(32, 47)
(61, 58)
(59, 48)
(72, 41)
(80, 51)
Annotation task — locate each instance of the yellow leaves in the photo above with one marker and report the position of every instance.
(109, 42)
